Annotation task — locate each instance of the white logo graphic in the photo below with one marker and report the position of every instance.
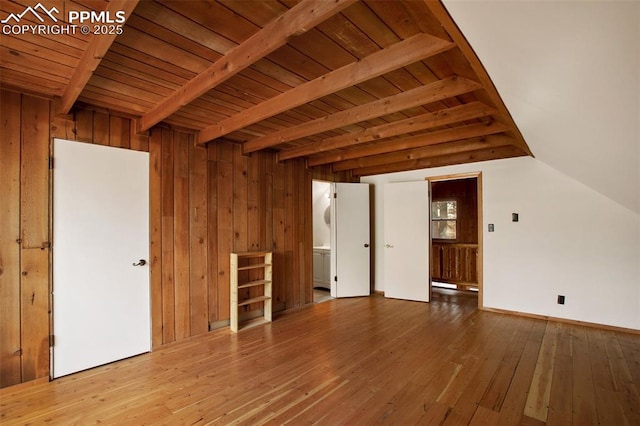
(34, 12)
(78, 21)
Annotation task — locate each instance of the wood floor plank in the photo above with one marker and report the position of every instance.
(628, 396)
(484, 417)
(512, 411)
(430, 363)
(600, 368)
(608, 407)
(488, 359)
(584, 399)
(500, 382)
(631, 353)
(351, 361)
(560, 403)
(537, 406)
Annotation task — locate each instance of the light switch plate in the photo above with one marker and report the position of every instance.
(491, 227)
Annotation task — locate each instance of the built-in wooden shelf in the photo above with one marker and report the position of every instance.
(249, 267)
(239, 262)
(253, 300)
(253, 283)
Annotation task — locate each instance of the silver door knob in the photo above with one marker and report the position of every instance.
(141, 262)
(366, 245)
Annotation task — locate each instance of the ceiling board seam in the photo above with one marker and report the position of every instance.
(259, 45)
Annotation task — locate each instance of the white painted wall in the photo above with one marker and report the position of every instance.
(569, 73)
(570, 240)
(321, 202)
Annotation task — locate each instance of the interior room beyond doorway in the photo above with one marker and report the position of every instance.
(321, 196)
(455, 236)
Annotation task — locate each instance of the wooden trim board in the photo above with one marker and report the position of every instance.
(563, 320)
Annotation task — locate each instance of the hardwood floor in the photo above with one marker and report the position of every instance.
(359, 361)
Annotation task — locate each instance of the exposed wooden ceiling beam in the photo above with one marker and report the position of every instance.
(98, 46)
(448, 148)
(297, 20)
(440, 12)
(430, 120)
(444, 160)
(406, 52)
(436, 91)
(432, 138)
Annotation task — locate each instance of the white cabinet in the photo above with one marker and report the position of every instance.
(317, 267)
(322, 267)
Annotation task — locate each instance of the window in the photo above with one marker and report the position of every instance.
(444, 219)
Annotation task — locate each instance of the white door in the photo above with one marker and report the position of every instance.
(350, 247)
(101, 303)
(406, 241)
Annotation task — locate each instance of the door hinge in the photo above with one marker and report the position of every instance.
(335, 195)
(52, 340)
(335, 278)
(50, 163)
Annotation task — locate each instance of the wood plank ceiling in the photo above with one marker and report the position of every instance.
(365, 86)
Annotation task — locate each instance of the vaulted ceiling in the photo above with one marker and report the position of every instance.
(363, 86)
(569, 73)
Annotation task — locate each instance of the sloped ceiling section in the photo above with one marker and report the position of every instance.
(569, 73)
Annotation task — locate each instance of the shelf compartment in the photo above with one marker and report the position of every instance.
(236, 259)
(254, 284)
(254, 300)
(256, 266)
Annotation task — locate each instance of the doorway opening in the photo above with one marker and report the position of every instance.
(321, 197)
(341, 256)
(456, 238)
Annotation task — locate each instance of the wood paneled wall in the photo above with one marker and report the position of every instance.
(24, 238)
(214, 201)
(455, 264)
(204, 204)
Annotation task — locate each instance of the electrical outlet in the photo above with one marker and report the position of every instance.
(560, 299)
(491, 227)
